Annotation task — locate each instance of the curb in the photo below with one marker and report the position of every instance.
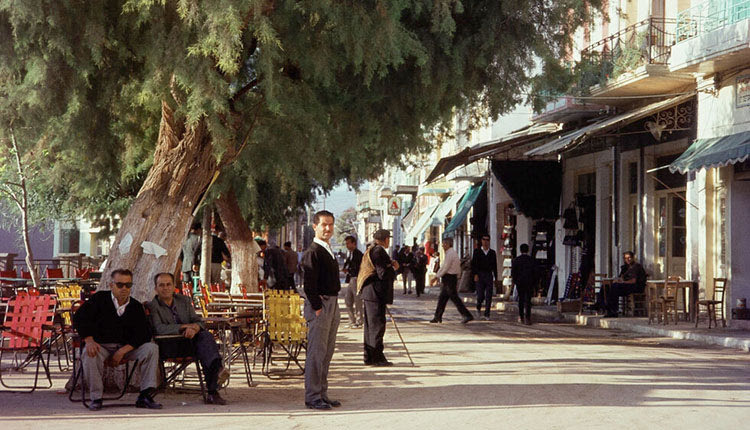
(635, 325)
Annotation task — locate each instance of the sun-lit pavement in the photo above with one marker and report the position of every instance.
(487, 374)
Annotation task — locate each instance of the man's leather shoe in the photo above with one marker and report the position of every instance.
(334, 403)
(384, 363)
(147, 402)
(435, 320)
(467, 318)
(318, 404)
(215, 399)
(95, 405)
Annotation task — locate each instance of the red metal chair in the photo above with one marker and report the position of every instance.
(27, 328)
(6, 287)
(25, 274)
(83, 273)
(54, 273)
(8, 274)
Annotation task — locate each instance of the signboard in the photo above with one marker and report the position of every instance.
(743, 91)
(394, 206)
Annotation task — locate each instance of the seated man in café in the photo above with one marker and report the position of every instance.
(114, 328)
(174, 314)
(632, 279)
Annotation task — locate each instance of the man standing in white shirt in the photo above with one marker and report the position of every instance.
(448, 274)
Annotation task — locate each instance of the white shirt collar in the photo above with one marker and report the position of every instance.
(486, 251)
(120, 309)
(325, 245)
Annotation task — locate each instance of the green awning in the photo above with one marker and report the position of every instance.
(463, 208)
(713, 152)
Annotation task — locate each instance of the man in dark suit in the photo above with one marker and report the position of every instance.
(484, 269)
(632, 279)
(171, 314)
(114, 328)
(322, 286)
(524, 273)
(377, 292)
(419, 269)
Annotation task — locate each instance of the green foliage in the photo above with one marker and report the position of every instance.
(327, 91)
(345, 225)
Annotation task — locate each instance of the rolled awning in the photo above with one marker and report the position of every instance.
(463, 207)
(573, 138)
(534, 186)
(485, 149)
(420, 226)
(438, 218)
(713, 152)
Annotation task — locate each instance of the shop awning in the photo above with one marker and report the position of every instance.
(463, 207)
(485, 149)
(420, 226)
(713, 152)
(534, 186)
(438, 218)
(573, 138)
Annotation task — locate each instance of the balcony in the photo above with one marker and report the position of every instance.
(634, 62)
(712, 37)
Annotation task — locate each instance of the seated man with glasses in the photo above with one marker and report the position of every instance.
(174, 314)
(114, 328)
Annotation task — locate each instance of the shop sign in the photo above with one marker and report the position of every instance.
(394, 206)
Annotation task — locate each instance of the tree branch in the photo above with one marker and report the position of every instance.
(9, 191)
(250, 85)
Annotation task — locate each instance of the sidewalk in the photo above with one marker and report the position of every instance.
(738, 338)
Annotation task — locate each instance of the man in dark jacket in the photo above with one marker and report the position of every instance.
(353, 300)
(377, 292)
(172, 314)
(114, 328)
(632, 279)
(484, 270)
(322, 286)
(419, 270)
(524, 273)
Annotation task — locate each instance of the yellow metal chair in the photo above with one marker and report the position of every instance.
(68, 300)
(286, 328)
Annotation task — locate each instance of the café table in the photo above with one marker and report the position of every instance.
(687, 291)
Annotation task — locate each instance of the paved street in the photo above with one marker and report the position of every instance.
(494, 374)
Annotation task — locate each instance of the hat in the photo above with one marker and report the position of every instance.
(381, 234)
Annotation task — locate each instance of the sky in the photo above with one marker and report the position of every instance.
(340, 199)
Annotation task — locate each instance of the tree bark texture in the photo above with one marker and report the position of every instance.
(240, 240)
(183, 166)
(207, 244)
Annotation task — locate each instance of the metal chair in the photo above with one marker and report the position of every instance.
(285, 327)
(717, 298)
(27, 329)
(176, 354)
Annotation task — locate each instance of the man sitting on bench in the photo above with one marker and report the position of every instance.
(174, 314)
(632, 280)
(114, 328)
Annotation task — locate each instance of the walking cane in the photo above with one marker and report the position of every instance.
(399, 335)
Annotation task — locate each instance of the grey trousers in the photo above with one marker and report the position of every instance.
(321, 341)
(93, 367)
(353, 303)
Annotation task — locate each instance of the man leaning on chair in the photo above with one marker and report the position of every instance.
(172, 313)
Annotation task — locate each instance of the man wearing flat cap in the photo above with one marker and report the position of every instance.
(375, 282)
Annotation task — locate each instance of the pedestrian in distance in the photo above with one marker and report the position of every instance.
(419, 270)
(524, 274)
(353, 300)
(448, 275)
(376, 285)
(484, 269)
(321, 286)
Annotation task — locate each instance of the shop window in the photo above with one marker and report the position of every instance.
(69, 240)
(633, 178)
(679, 237)
(587, 184)
(667, 179)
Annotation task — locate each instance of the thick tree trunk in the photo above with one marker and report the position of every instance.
(184, 164)
(240, 239)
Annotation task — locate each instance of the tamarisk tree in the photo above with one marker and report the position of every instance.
(141, 103)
